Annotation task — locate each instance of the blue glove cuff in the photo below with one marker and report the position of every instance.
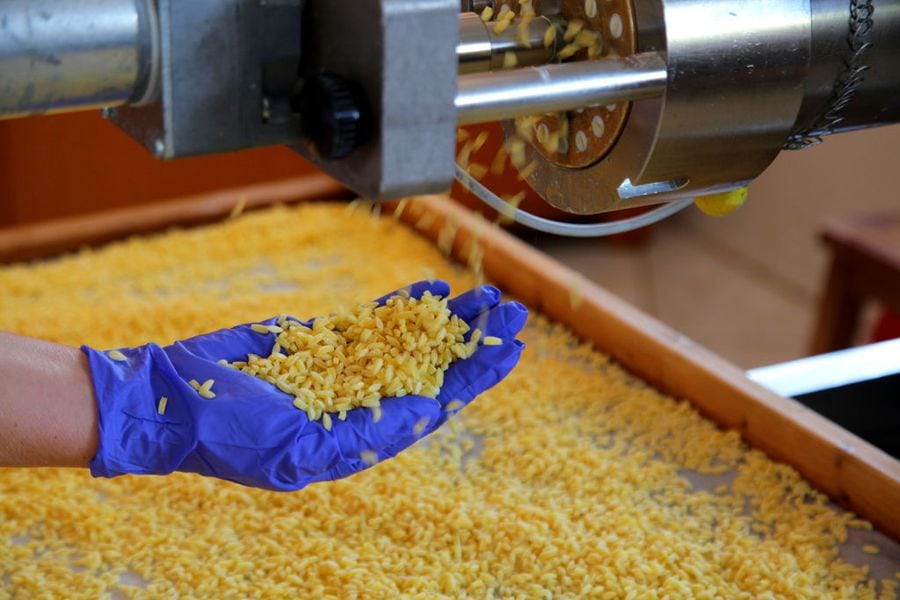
(133, 436)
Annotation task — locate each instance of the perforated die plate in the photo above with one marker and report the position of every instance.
(581, 138)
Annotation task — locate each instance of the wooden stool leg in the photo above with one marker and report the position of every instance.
(839, 311)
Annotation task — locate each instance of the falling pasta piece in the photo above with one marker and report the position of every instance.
(576, 294)
(523, 32)
(429, 274)
(161, 407)
(425, 221)
(498, 166)
(376, 413)
(573, 27)
(353, 205)
(455, 405)
(568, 51)
(326, 421)
(400, 207)
(528, 171)
(504, 19)
(507, 214)
(446, 237)
(239, 208)
(420, 425)
(465, 154)
(516, 149)
(550, 36)
(501, 26)
(526, 126)
(369, 457)
(475, 257)
(478, 171)
(870, 549)
(492, 341)
(117, 356)
(586, 39)
(480, 140)
(487, 13)
(376, 213)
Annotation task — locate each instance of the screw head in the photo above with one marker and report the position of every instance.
(159, 148)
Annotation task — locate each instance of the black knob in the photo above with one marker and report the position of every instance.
(333, 113)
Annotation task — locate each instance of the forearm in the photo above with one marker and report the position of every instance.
(48, 415)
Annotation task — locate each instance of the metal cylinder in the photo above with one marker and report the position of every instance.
(876, 100)
(553, 88)
(66, 55)
(482, 49)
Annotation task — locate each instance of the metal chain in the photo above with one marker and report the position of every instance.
(847, 84)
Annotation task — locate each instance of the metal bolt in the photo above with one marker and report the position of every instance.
(159, 148)
(109, 112)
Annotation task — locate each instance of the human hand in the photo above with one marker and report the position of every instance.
(251, 433)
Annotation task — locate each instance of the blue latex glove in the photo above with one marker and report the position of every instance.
(251, 433)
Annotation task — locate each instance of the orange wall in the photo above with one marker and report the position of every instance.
(64, 165)
(73, 164)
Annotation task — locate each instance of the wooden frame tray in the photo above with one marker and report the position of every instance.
(851, 471)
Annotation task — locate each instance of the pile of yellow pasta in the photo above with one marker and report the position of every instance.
(565, 481)
(357, 357)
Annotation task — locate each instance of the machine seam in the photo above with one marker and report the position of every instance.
(847, 84)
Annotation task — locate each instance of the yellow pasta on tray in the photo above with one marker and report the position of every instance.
(571, 479)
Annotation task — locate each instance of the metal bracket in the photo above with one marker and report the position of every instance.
(222, 78)
(403, 55)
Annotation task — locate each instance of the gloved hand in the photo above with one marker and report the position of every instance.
(251, 433)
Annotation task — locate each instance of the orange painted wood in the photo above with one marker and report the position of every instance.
(38, 240)
(65, 165)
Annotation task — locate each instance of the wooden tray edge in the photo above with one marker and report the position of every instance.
(848, 469)
(62, 235)
(851, 471)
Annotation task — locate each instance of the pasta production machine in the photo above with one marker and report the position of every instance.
(627, 102)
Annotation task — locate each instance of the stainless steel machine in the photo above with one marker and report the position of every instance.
(645, 101)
